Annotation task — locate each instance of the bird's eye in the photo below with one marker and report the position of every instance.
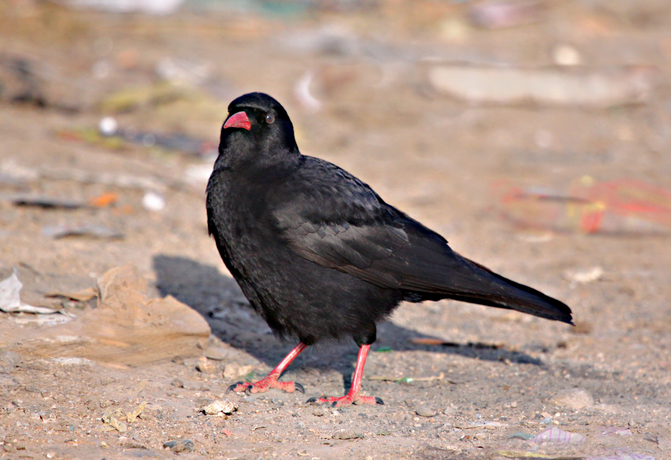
(270, 119)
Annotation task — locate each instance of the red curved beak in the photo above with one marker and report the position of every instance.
(238, 120)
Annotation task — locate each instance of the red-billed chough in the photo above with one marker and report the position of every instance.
(320, 255)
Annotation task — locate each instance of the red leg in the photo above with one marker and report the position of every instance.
(353, 396)
(270, 380)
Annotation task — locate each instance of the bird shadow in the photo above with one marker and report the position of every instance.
(220, 301)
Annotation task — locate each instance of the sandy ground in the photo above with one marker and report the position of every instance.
(487, 380)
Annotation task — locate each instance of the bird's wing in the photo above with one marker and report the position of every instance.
(337, 221)
(331, 218)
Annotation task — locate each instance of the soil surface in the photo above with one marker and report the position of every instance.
(457, 380)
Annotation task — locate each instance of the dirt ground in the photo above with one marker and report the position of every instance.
(458, 381)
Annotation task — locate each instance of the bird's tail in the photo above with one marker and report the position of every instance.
(495, 290)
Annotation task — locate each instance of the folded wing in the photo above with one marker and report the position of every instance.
(363, 236)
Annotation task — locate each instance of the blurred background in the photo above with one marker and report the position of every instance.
(533, 134)
(531, 118)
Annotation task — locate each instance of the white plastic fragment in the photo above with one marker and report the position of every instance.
(564, 86)
(566, 55)
(10, 301)
(152, 201)
(585, 276)
(157, 7)
(303, 94)
(108, 126)
(554, 435)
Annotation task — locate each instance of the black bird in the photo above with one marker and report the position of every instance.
(320, 255)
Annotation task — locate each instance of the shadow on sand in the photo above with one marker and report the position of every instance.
(221, 302)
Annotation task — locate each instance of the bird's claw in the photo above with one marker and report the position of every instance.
(298, 387)
(233, 387)
(264, 385)
(345, 400)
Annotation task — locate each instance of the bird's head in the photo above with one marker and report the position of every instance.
(257, 131)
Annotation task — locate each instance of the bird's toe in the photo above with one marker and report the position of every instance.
(233, 387)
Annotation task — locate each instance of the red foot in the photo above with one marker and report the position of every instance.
(346, 400)
(265, 384)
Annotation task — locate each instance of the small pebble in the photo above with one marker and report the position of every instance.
(347, 434)
(664, 444)
(234, 371)
(218, 354)
(177, 383)
(219, 408)
(449, 410)
(206, 367)
(424, 411)
(575, 399)
(180, 446)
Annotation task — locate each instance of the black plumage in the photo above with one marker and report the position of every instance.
(319, 254)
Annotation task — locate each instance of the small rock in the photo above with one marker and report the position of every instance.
(180, 446)
(663, 443)
(219, 408)
(575, 399)
(216, 353)
(451, 409)
(582, 327)
(112, 419)
(521, 435)
(347, 434)
(424, 411)
(206, 367)
(9, 360)
(177, 383)
(233, 371)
